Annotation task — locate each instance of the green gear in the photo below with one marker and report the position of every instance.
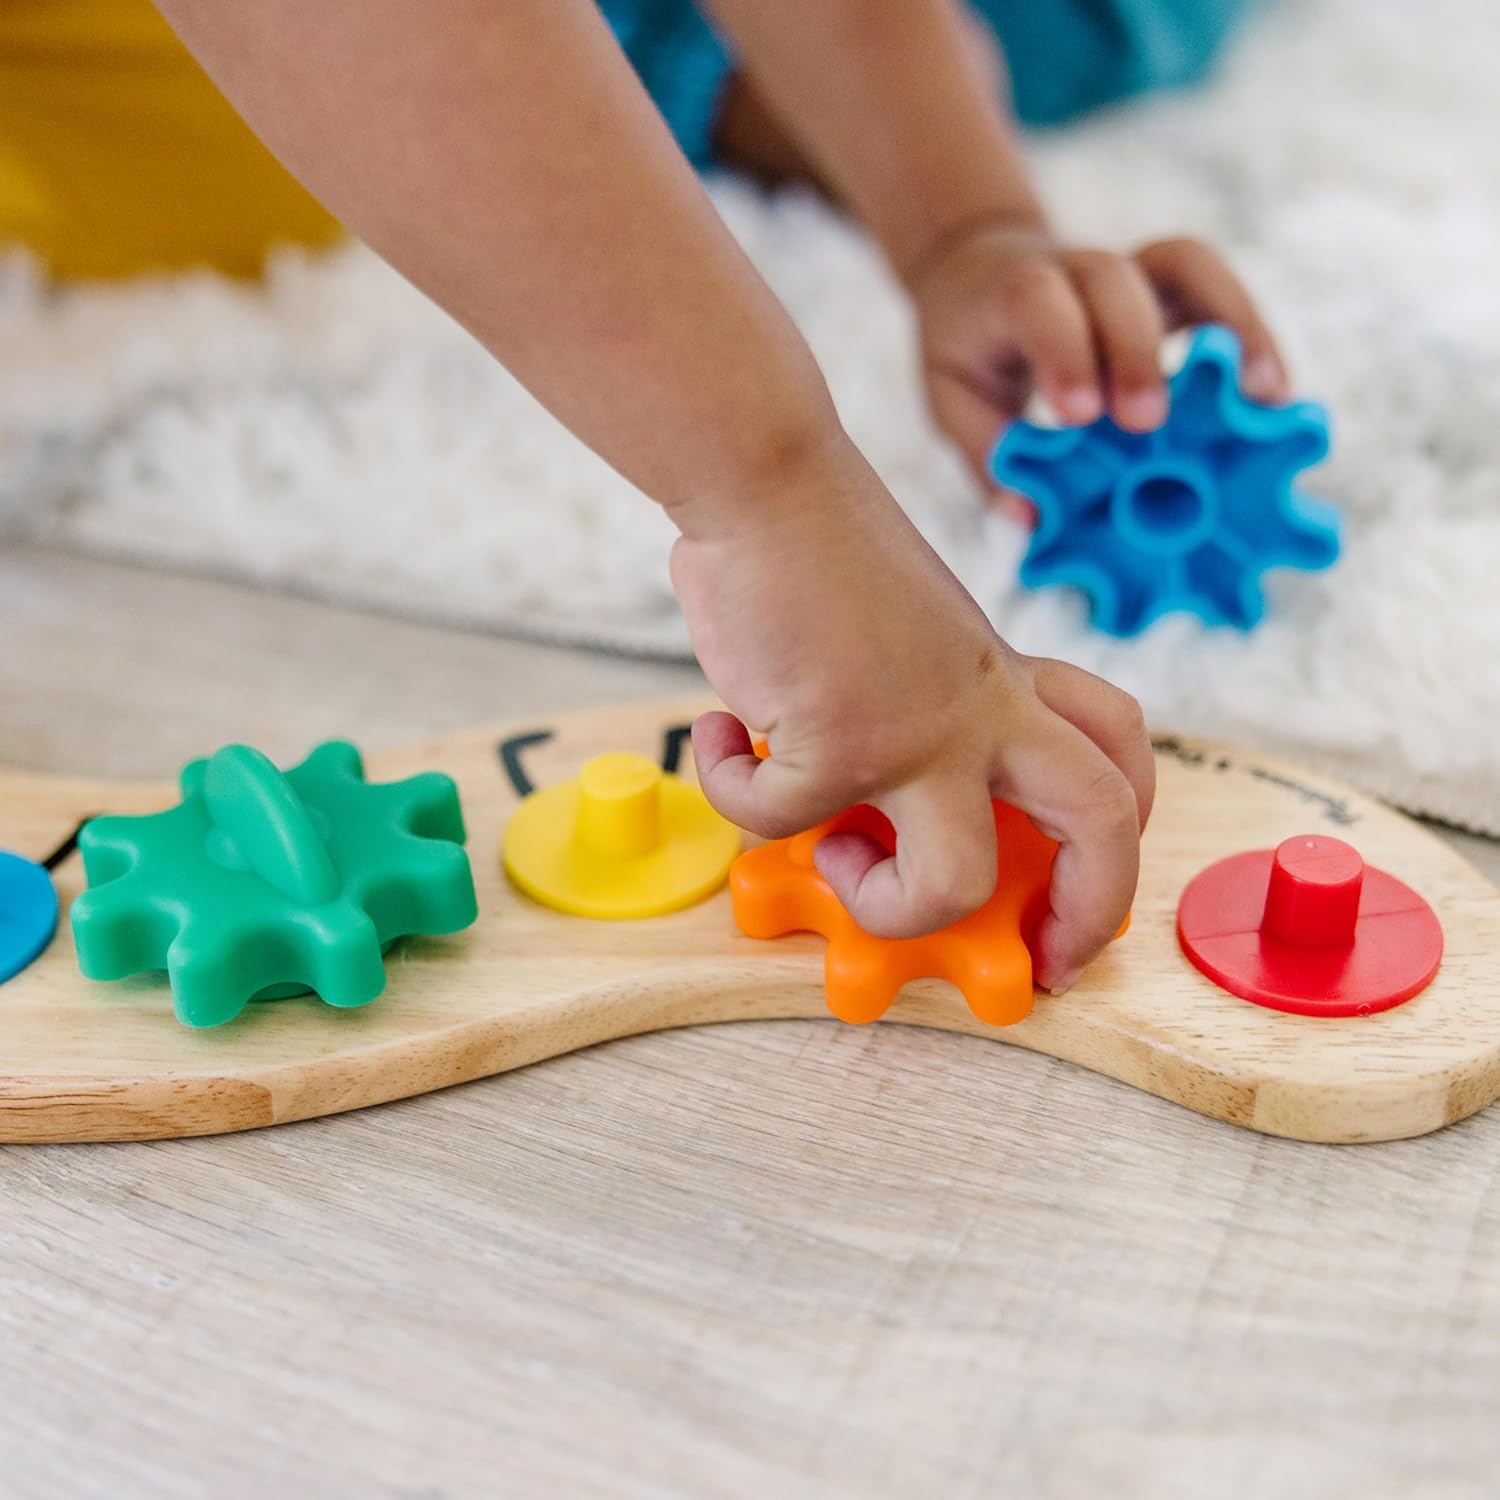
(261, 884)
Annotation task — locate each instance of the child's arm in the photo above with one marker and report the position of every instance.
(504, 157)
(891, 104)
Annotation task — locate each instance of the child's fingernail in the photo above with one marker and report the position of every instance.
(1013, 507)
(1080, 404)
(1142, 411)
(1263, 378)
(1063, 985)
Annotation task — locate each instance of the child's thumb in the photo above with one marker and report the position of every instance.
(764, 796)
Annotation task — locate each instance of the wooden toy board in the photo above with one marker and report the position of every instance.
(81, 1061)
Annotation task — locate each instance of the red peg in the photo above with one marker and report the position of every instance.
(1313, 900)
(1309, 928)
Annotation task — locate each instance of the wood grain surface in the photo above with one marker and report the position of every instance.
(85, 1061)
(786, 1259)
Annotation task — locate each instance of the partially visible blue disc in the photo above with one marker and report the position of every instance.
(28, 913)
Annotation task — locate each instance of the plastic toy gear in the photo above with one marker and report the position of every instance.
(776, 889)
(28, 913)
(1184, 518)
(260, 884)
(625, 840)
(1311, 929)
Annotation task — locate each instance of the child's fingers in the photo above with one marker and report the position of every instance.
(944, 866)
(1077, 795)
(764, 796)
(1111, 718)
(971, 421)
(1128, 329)
(974, 424)
(1196, 286)
(1043, 312)
(1014, 506)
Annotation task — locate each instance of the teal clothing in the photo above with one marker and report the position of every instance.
(1070, 56)
(1066, 57)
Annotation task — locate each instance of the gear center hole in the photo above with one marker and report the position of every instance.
(1164, 510)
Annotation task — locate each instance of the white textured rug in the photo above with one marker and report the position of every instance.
(333, 433)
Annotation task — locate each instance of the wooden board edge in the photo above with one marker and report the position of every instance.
(39, 1110)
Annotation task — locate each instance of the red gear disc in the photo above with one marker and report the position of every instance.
(1309, 928)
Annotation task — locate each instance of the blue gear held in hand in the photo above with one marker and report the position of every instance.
(1185, 518)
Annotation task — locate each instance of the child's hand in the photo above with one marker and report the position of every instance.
(1004, 311)
(824, 621)
(547, 209)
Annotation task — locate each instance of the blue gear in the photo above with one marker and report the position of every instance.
(28, 913)
(1184, 518)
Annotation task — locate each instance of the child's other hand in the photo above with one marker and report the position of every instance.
(1006, 311)
(823, 620)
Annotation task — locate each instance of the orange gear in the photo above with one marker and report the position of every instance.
(777, 889)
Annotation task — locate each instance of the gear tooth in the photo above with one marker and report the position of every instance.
(200, 999)
(429, 807)
(1088, 559)
(1054, 491)
(116, 934)
(858, 976)
(1217, 345)
(215, 966)
(109, 848)
(1290, 450)
(332, 779)
(218, 967)
(1317, 527)
(996, 980)
(1028, 442)
(340, 955)
(765, 903)
(1205, 400)
(1034, 461)
(1309, 424)
(1289, 438)
(334, 759)
(1294, 529)
(1213, 586)
(425, 885)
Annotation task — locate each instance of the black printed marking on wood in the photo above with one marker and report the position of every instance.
(671, 748)
(64, 849)
(1336, 809)
(510, 758)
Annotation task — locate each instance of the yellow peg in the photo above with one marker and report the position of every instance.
(619, 806)
(625, 840)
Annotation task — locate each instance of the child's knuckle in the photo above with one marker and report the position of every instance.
(1108, 802)
(951, 891)
(1031, 277)
(1095, 265)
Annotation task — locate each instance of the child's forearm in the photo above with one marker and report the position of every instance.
(889, 101)
(504, 158)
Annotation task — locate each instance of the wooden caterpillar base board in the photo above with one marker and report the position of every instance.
(89, 1062)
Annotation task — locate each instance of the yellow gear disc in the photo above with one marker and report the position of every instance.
(625, 840)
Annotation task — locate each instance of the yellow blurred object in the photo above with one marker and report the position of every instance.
(625, 840)
(118, 154)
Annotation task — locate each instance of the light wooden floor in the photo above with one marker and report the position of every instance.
(773, 1260)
